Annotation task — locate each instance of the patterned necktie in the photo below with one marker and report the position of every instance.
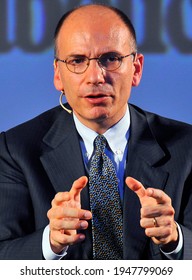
(107, 228)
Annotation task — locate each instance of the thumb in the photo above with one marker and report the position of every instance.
(77, 187)
(136, 186)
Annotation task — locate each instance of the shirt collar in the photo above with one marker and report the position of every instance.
(117, 136)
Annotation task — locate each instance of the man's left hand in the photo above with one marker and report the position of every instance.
(157, 213)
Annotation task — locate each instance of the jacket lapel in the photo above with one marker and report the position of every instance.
(144, 155)
(62, 158)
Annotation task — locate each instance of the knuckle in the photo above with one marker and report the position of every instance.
(58, 237)
(56, 224)
(53, 202)
(142, 223)
(56, 198)
(168, 231)
(145, 211)
(142, 211)
(169, 222)
(169, 210)
(68, 212)
(60, 197)
(148, 232)
(63, 239)
(169, 200)
(49, 214)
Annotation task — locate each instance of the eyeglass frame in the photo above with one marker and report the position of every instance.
(98, 61)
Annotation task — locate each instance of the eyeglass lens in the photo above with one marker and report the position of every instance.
(79, 64)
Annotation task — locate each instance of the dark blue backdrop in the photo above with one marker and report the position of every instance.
(164, 29)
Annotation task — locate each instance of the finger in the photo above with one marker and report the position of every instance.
(158, 210)
(64, 224)
(76, 213)
(77, 187)
(136, 186)
(60, 198)
(156, 222)
(149, 223)
(59, 239)
(160, 235)
(160, 196)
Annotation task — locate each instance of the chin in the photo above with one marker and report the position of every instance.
(99, 114)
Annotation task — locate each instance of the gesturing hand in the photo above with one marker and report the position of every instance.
(66, 217)
(157, 213)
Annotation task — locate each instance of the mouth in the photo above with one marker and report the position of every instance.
(97, 98)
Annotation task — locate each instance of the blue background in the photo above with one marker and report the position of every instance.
(26, 78)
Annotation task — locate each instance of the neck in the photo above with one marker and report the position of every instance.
(101, 125)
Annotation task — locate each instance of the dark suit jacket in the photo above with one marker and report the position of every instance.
(42, 157)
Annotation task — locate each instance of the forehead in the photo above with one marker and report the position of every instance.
(93, 28)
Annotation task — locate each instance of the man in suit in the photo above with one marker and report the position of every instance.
(44, 163)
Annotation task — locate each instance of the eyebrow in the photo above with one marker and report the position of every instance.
(112, 52)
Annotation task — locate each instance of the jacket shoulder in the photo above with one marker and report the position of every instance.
(32, 131)
(161, 122)
(165, 130)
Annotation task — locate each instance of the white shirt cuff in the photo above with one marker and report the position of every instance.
(174, 254)
(46, 247)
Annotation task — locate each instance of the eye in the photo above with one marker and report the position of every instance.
(109, 58)
(76, 60)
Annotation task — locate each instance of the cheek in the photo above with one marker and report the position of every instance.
(123, 85)
(72, 91)
(70, 85)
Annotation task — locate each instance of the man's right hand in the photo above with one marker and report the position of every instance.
(66, 217)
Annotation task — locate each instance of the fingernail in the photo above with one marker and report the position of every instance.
(87, 215)
(82, 237)
(83, 224)
(150, 191)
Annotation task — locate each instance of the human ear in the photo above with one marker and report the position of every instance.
(57, 76)
(138, 69)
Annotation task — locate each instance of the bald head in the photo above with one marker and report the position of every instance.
(95, 14)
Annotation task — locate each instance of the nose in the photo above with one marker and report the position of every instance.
(94, 73)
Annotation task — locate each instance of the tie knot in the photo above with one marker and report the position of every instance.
(100, 143)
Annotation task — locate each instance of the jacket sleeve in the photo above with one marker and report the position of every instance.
(185, 219)
(19, 236)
